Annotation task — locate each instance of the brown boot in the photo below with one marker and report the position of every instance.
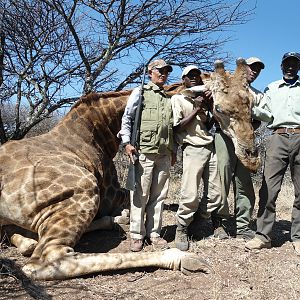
(257, 244)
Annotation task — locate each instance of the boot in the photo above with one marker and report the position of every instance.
(219, 228)
(181, 238)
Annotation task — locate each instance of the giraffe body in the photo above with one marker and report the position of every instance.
(55, 184)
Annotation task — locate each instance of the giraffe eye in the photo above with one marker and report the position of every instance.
(218, 109)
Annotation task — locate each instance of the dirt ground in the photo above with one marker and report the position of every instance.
(236, 274)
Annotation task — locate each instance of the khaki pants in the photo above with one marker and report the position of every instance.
(152, 183)
(198, 162)
(282, 150)
(232, 170)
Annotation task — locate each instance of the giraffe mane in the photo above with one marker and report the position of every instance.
(91, 97)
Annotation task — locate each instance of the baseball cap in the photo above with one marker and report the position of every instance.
(159, 64)
(253, 60)
(187, 69)
(290, 54)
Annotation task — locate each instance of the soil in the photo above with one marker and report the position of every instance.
(235, 274)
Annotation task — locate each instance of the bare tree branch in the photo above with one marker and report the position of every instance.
(54, 50)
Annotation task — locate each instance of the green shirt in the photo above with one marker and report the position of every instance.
(283, 101)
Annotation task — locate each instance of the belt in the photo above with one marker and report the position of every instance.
(286, 130)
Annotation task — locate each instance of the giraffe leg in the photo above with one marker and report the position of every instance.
(54, 257)
(123, 219)
(23, 239)
(25, 245)
(109, 223)
(62, 226)
(78, 264)
(104, 223)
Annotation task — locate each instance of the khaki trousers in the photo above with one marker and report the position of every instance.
(198, 162)
(282, 150)
(152, 183)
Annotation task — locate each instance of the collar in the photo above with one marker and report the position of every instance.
(155, 87)
(295, 82)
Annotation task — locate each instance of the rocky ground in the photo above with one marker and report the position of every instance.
(235, 273)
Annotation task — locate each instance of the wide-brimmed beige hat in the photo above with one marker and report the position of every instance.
(254, 60)
(159, 64)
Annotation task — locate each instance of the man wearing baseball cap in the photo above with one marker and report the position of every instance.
(199, 157)
(232, 170)
(155, 149)
(283, 150)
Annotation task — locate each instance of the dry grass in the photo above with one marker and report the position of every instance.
(236, 274)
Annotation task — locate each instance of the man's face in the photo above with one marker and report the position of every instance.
(290, 67)
(253, 72)
(159, 76)
(192, 78)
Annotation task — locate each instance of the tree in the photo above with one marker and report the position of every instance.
(56, 50)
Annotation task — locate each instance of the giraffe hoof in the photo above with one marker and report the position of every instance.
(121, 220)
(193, 263)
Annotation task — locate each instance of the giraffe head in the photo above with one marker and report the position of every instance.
(232, 109)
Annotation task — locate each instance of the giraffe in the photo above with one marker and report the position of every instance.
(55, 184)
(232, 109)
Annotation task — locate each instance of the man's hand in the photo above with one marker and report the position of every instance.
(199, 101)
(131, 152)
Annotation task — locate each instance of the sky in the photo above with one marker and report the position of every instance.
(272, 31)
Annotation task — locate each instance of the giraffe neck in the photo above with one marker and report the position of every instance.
(93, 123)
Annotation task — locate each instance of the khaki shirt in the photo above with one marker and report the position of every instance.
(196, 132)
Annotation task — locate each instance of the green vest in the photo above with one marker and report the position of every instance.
(156, 130)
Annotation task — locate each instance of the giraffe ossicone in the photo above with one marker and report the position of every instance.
(54, 186)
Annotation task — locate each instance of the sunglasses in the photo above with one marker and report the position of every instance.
(162, 70)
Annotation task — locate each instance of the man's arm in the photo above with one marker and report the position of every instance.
(128, 116)
(260, 110)
(262, 113)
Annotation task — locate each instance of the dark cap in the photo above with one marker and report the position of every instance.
(291, 54)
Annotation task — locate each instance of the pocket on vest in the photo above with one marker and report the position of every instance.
(148, 131)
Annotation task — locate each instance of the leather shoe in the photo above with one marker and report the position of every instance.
(136, 245)
(257, 244)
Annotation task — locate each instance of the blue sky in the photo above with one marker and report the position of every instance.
(273, 30)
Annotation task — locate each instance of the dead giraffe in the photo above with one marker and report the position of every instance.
(55, 184)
